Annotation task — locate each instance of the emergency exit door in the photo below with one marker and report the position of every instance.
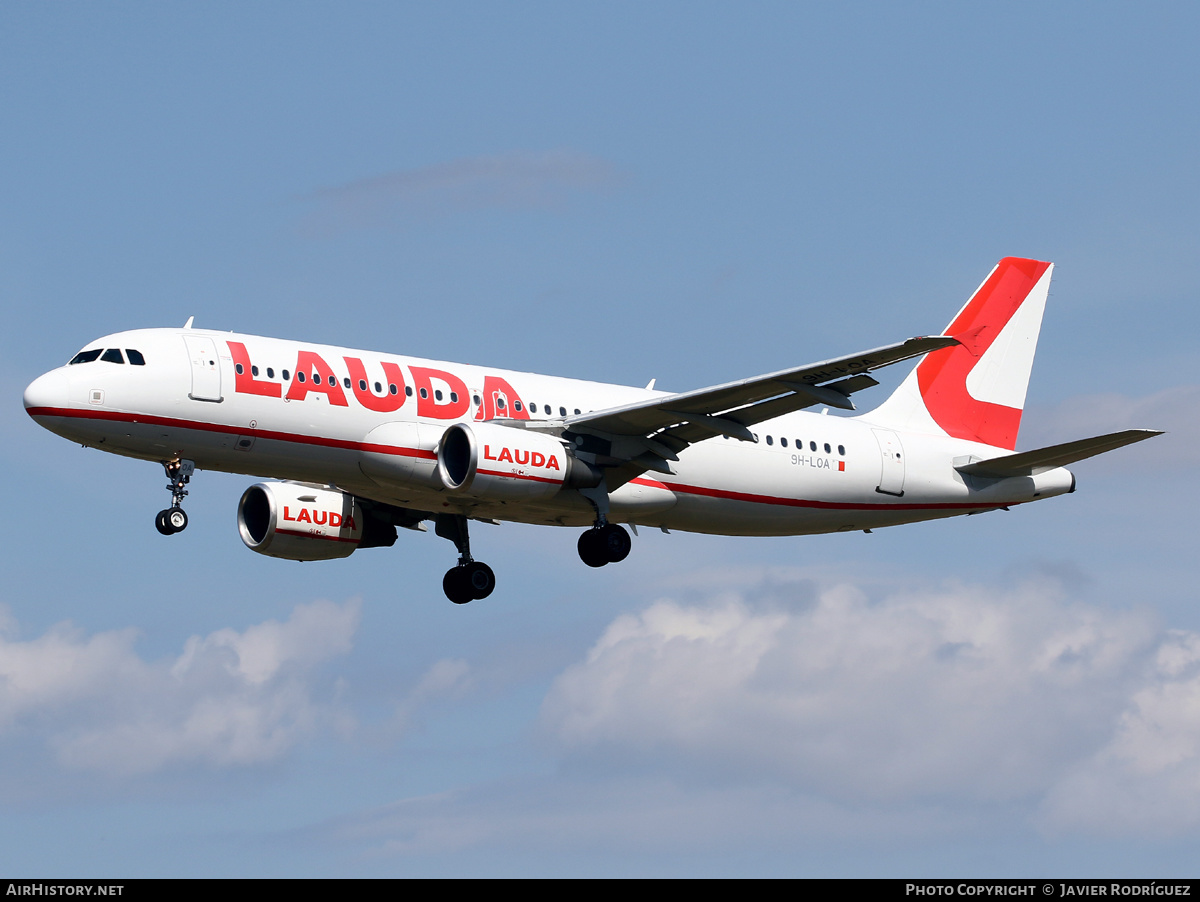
(891, 476)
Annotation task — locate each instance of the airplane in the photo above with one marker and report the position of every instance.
(355, 444)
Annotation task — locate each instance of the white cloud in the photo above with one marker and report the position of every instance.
(229, 699)
(513, 181)
(959, 694)
(1146, 779)
(449, 677)
(647, 816)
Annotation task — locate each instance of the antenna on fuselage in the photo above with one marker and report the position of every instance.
(188, 324)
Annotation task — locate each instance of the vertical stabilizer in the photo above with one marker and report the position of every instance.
(976, 390)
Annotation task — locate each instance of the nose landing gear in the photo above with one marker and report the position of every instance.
(471, 579)
(173, 519)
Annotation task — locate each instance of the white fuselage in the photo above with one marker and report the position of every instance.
(807, 473)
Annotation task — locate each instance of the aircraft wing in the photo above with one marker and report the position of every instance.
(1030, 463)
(648, 433)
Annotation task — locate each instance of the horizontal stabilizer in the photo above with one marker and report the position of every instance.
(1030, 463)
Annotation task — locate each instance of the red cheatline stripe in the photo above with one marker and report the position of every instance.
(430, 455)
(297, 438)
(519, 476)
(800, 502)
(310, 535)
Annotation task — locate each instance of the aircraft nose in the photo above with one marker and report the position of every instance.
(47, 391)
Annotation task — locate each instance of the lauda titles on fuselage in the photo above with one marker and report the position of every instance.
(355, 444)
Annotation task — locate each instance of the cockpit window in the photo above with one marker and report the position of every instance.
(135, 357)
(86, 356)
(112, 355)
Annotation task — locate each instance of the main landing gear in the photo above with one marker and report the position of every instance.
(173, 519)
(604, 543)
(471, 579)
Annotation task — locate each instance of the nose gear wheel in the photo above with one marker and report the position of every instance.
(173, 519)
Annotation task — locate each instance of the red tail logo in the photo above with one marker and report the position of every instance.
(942, 375)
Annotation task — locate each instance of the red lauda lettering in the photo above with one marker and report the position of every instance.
(494, 390)
(335, 520)
(427, 403)
(304, 517)
(319, 518)
(243, 375)
(505, 454)
(323, 380)
(552, 463)
(537, 459)
(385, 403)
(487, 452)
(518, 454)
(286, 515)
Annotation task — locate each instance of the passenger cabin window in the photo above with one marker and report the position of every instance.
(842, 450)
(135, 357)
(782, 442)
(112, 355)
(271, 373)
(286, 376)
(86, 356)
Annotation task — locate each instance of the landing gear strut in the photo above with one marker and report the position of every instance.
(173, 519)
(471, 579)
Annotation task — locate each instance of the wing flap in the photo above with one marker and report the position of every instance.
(800, 387)
(1030, 463)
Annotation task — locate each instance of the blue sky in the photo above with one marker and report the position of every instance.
(689, 192)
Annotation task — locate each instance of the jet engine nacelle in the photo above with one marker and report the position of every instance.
(502, 463)
(299, 522)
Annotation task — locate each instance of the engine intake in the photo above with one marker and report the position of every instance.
(502, 463)
(302, 523)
